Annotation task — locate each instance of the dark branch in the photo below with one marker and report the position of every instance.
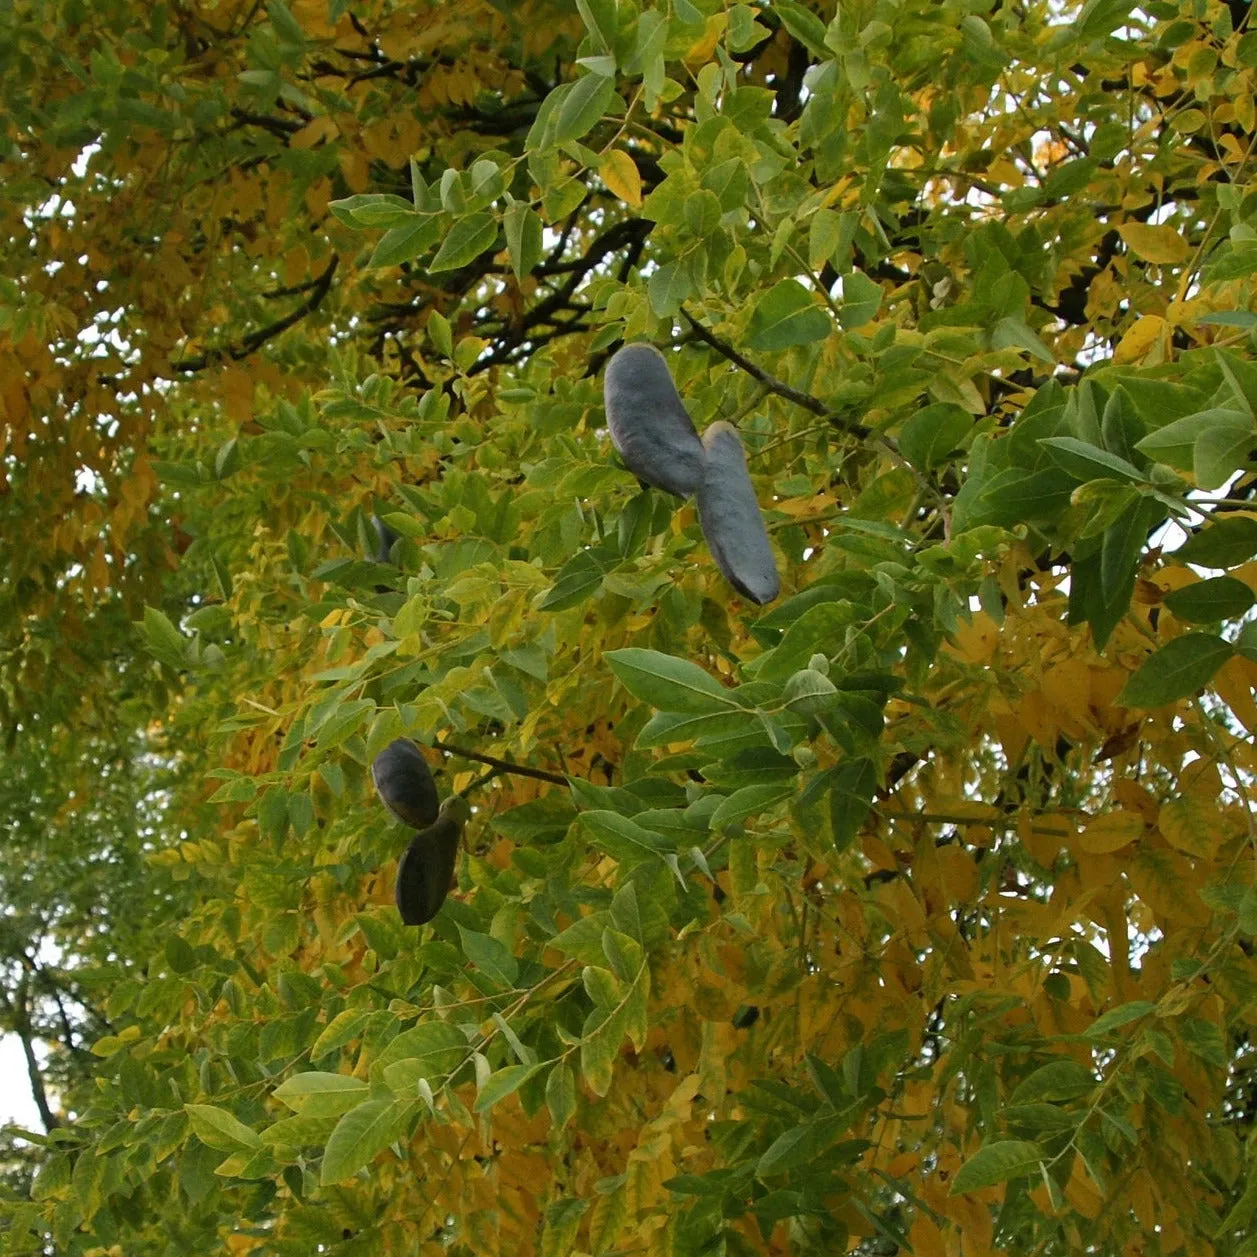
(20, 1019)
(770, 382)
(255, 340)
(502, 765)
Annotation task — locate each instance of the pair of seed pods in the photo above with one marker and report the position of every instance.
(404, 783)
(651, 429)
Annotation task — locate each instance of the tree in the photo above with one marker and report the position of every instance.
(914, 910)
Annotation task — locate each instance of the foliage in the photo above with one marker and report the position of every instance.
(914, 910)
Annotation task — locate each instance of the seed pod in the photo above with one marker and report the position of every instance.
(404, 783)
(649, 424)
(427, 868)
(730, 517)
(385, 536)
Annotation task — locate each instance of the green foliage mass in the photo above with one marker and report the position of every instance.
(911, 912)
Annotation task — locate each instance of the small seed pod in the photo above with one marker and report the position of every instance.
(731, 519)
(385, 536)
(404, 783)
(649, 424)
(427, 868)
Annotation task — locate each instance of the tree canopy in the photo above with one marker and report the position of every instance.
(913, 911)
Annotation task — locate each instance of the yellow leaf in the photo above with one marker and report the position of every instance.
(1111, 832)
(1142, 336)
(1154, 244)
(927, 1239)
(1190, 825)
(619, 173)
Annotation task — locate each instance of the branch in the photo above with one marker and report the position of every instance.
(770, 382)
(255, 340)
(20, 1017)
(502, 765)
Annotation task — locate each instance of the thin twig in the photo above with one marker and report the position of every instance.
(255, 340)
(480, 781)
(502, 765)
(770, 382)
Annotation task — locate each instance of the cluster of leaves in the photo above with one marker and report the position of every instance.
(915, 910)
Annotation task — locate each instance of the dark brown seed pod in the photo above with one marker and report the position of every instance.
(731, 519)
(426, 868)
(384, 538)
(648, 422)
(404, 783)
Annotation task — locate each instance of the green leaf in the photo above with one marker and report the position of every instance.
(1175, 443)
(179, 955)
(1206, 602)
(53, 1178)
(343, 1028)
(666, 727)
(804, 25)
(220, 1129)
(523, 237)
(749, 801)
(376, 210)
(1229, 318)
(583, 106)
(1177, 670)
(489, 956)
(361, 1134)
(1121, 545)
(162, 640)
(317, 1094)
(1087, 462)
(600, 21)
(467, 240)
(440, 334)
(823, 235)
(1015, 333)
(604, 1032)
(286, 26)
(404, 244)
(501, 1084)
(933, 433)
(579, 578)
(1102, 17)
(668, 287)
(786, 315)
(623, 839)
(583, 939)
(997, 1163)
(801, 1145)
(432, 1049)
(561, 1095)
(668, 683)
(1222, 450)
(1063, 1079)
(1246, 642)
(1115, 1018)
(853, 785)
(1204, 1039)
(1048, 1118)
(1222, 542)
(861, 300)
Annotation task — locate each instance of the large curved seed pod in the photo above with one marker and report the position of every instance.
(649, 424)
(404, 783)
(731, 519)
(426, 868)
(385, 536)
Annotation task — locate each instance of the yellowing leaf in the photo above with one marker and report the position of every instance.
(1191, 826)
(1111, 832)
(1154, 244)
(619, 173)
(1141, 337)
